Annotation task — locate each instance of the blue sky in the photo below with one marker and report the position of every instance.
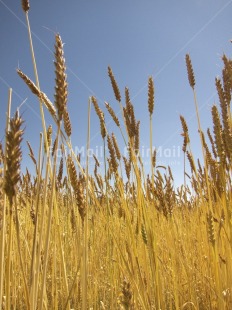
(137, 39)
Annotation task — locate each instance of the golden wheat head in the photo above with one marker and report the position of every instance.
(13, 156)
(61, 87)
(25, 5)
(190, 71)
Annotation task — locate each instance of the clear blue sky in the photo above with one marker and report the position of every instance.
(137, 39)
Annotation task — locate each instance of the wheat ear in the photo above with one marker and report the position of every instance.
(114, 85)
(25, 5)
(61, 87)
(35, 90)
(13, 156)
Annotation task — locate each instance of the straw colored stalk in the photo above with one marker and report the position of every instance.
(1, 186)
(77, 186)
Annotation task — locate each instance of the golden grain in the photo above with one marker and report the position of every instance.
(114, 85)
(61, 87)
(13, 156)
(42, 96)
(112, 113)
(67, 123)
(151, 94)
(25, 5)
(191, 77)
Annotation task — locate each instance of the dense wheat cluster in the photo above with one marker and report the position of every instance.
(122, 239)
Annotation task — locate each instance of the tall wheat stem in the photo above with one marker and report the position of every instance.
(215, 248)
(151, 153)
(37, 81)
(41, 234)
(48, 232)
(3, 232)
(202, 147)
(20, 255)
(34, 258)
(85, 250)
(8, 264)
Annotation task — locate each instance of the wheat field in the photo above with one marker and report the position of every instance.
(71, 238)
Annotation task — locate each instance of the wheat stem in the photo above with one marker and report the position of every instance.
(48, 231)
(20, 256)
(85, 250)
(37, 79)
(3, 230)
(35, 241)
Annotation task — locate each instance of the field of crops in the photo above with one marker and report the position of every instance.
(71, 238)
